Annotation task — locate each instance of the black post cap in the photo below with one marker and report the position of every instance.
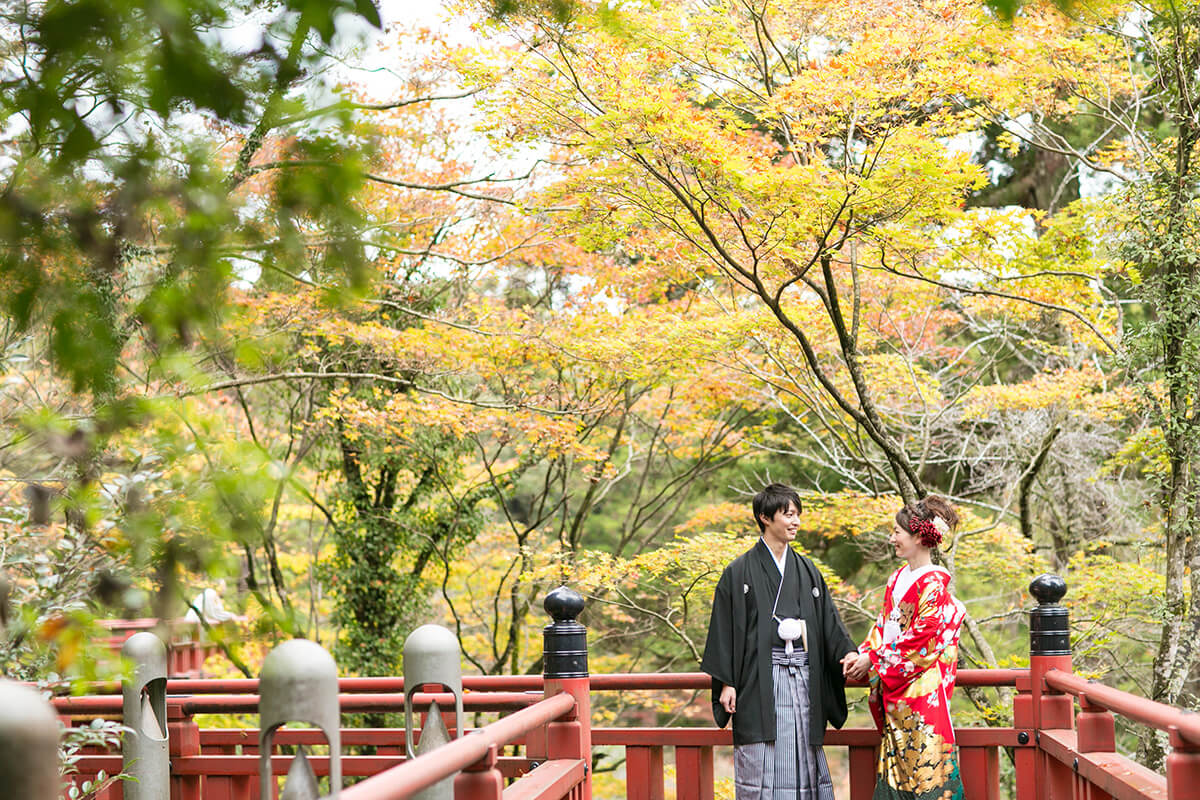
(1048, 589)
(564, 604)
(1049, 622)
(565, 639)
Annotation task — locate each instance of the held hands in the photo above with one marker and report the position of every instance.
(856, 666)
(728, 699)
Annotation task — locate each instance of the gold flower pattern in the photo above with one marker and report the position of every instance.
(913, 758)
(906, 613)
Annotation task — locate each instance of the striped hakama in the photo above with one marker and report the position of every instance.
(788, 767)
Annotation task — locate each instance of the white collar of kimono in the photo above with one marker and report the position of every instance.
(908, 576)
(780, 562)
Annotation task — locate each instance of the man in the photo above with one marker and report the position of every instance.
(776, 651)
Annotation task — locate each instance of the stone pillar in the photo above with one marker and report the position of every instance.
(432, 658)
(145, 746)
(299, 683)
(28, 744)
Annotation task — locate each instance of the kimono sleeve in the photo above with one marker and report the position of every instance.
(718, 660)
(920, 646)
(874, 639)
(837, 641)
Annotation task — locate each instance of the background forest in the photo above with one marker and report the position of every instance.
(385, 324)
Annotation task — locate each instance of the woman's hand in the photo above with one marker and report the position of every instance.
(858, 668)
(729, 699)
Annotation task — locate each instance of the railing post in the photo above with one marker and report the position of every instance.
(1097, 729)
(565, 669)
(863, 762)
(1049, 648)
(1025, 754)
(28, 744)
(1097, 734)
(694, 773)
(298, 683)
(482, 780)
(144, 746)
(1183, 769)
(431, 656)
(644, 773)
(183, 740)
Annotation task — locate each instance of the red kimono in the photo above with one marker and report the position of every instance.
(914, 658)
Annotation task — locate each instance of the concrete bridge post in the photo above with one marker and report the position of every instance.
(299, 683)
(432, 658)
(28, 744)
(145, 747)
(565, 669)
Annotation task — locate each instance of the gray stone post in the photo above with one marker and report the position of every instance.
(299, 683)
(431, 656)
(144, 746)
(28, 744)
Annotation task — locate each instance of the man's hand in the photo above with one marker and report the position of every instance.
(729, 699)
(856, 666)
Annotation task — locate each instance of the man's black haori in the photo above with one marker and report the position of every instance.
(741, 634)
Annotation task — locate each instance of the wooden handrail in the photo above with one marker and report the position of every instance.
(419, 773)
(1130, 706)
(350, 703)
(610, 682)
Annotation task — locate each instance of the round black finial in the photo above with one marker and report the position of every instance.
(1048, 589)
(564, 604)
(1049, 623)
(564, 641)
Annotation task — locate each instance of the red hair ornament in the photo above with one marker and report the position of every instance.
(927, 530)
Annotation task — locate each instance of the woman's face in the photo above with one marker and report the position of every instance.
(905, 543)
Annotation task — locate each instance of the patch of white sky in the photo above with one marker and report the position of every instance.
(383, 74)
(368, 64)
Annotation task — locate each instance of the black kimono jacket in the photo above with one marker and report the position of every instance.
(741, 633)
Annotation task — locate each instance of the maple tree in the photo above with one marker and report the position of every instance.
(755, 243)
(797, 157)
(130, 128)
(1140, 148)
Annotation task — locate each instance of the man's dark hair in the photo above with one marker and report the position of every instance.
(772, 499)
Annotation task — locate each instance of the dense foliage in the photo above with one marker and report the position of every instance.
(555, 300)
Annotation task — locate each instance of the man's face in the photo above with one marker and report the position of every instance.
(782, 527)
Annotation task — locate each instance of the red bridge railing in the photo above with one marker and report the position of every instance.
(187, 649)
(227, 759)
(1082, 762)
(542, 748)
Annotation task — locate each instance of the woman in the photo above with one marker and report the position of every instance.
(911, 656)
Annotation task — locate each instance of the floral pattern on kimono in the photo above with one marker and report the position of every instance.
(912, 681)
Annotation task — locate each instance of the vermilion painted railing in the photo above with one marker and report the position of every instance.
(1081, 763)
(1076, 751)
(1058, 753)
(227, 759)
(478, 754)
(186, 652)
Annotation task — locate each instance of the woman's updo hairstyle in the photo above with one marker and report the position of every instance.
(929, 520)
